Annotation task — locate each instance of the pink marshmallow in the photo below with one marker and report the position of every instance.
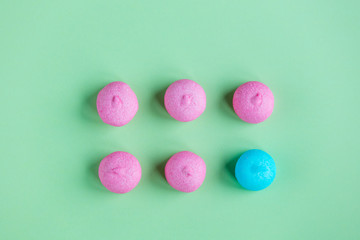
(253, 102)
(185, 171)
(120, 172)
(117, 104)
(185, 100)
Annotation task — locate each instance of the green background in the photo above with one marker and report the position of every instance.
(56, 55)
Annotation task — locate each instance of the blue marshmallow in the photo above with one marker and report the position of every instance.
(255, 170)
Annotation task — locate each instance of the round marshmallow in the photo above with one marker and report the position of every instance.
(185, 171)
(117, 104)
(185, 100)
(120, 172)
(253, 102)
(255, 170)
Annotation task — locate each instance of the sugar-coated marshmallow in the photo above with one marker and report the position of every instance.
(255, 170)
(253, 102)
(185, 100)
(185, 171)
(120, 172)
(117, 104)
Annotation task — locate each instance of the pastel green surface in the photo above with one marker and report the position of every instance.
(56, 55)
